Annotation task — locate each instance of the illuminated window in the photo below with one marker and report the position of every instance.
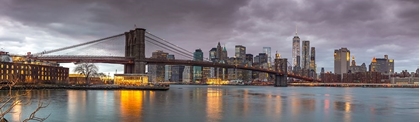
(22, 72)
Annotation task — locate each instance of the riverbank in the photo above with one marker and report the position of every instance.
(91, 87)
(355, 85)
(322, 85)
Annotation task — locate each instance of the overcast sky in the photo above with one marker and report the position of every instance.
(368, 28)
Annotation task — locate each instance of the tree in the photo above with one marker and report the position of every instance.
(86, 69)
(9, 101)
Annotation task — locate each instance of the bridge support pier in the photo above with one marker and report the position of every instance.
(281, 79)
(135, 48)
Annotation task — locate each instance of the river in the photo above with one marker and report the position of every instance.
(199, 103)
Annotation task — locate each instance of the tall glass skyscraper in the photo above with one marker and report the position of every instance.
(197, 70)
(267, 50)
(296, 51)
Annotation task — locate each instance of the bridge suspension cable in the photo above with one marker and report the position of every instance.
(77, 45)
(171, 45)
(151, 40)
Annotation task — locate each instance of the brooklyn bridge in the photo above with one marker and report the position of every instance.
(135, 59)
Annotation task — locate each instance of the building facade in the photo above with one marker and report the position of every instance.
(296, 52)
(354, 68)
(240, 52)
(168, 68)
(177, 73)
(157, 71)
(267, 51)
(341, 60)
(198, 70)
(305, 54)
(382, 65)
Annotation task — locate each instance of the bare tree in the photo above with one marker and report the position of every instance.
(86, 69)
(9, 101)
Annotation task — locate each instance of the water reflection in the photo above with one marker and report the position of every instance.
(76, 103)
(131, 103)
(214, 104)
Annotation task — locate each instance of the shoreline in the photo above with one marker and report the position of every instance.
(93, 87)
(323, 85)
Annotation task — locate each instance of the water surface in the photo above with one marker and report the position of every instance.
(184, 103)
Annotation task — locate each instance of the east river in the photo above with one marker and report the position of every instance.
(196, 103)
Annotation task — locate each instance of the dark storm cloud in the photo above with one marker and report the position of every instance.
(369, 28)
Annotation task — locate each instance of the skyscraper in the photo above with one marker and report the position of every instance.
(312, 64)
(341, 61)
(197, 70)
(157, 72)
(305, 54)
(219, 51)
(213, 54)
(168, 68)
(249, 57)
(240, 52)
(296, 51)
(267, 50)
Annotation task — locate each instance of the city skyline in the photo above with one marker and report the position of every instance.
(361, 26)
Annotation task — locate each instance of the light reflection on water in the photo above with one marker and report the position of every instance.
(226, 103)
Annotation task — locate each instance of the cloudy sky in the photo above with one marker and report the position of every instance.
(368, 28)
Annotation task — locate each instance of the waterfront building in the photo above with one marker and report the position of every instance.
(382, 65)
(157, 71)
(341, 60)
(168, 68)
(31, 71)
(312, 64)
(354, 68)
(305, 54)
(177, 73)
(187, 74)
(197, 70)
(131, 79)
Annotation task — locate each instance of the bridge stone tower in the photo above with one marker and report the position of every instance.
(280, 64)
(135, 48)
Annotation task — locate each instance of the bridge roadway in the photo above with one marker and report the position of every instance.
(125, 60)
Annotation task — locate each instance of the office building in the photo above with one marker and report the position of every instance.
(157, 71)
(354, 68)
(305, 54)
(213, 54)
(168, 68)
(382, 65)
(177, 73)
(198, 70)
(296, 52)
(341, 60)
(267, 50)
(249, 58)
(240, 52)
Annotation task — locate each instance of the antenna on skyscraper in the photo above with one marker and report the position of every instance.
(296, 29)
